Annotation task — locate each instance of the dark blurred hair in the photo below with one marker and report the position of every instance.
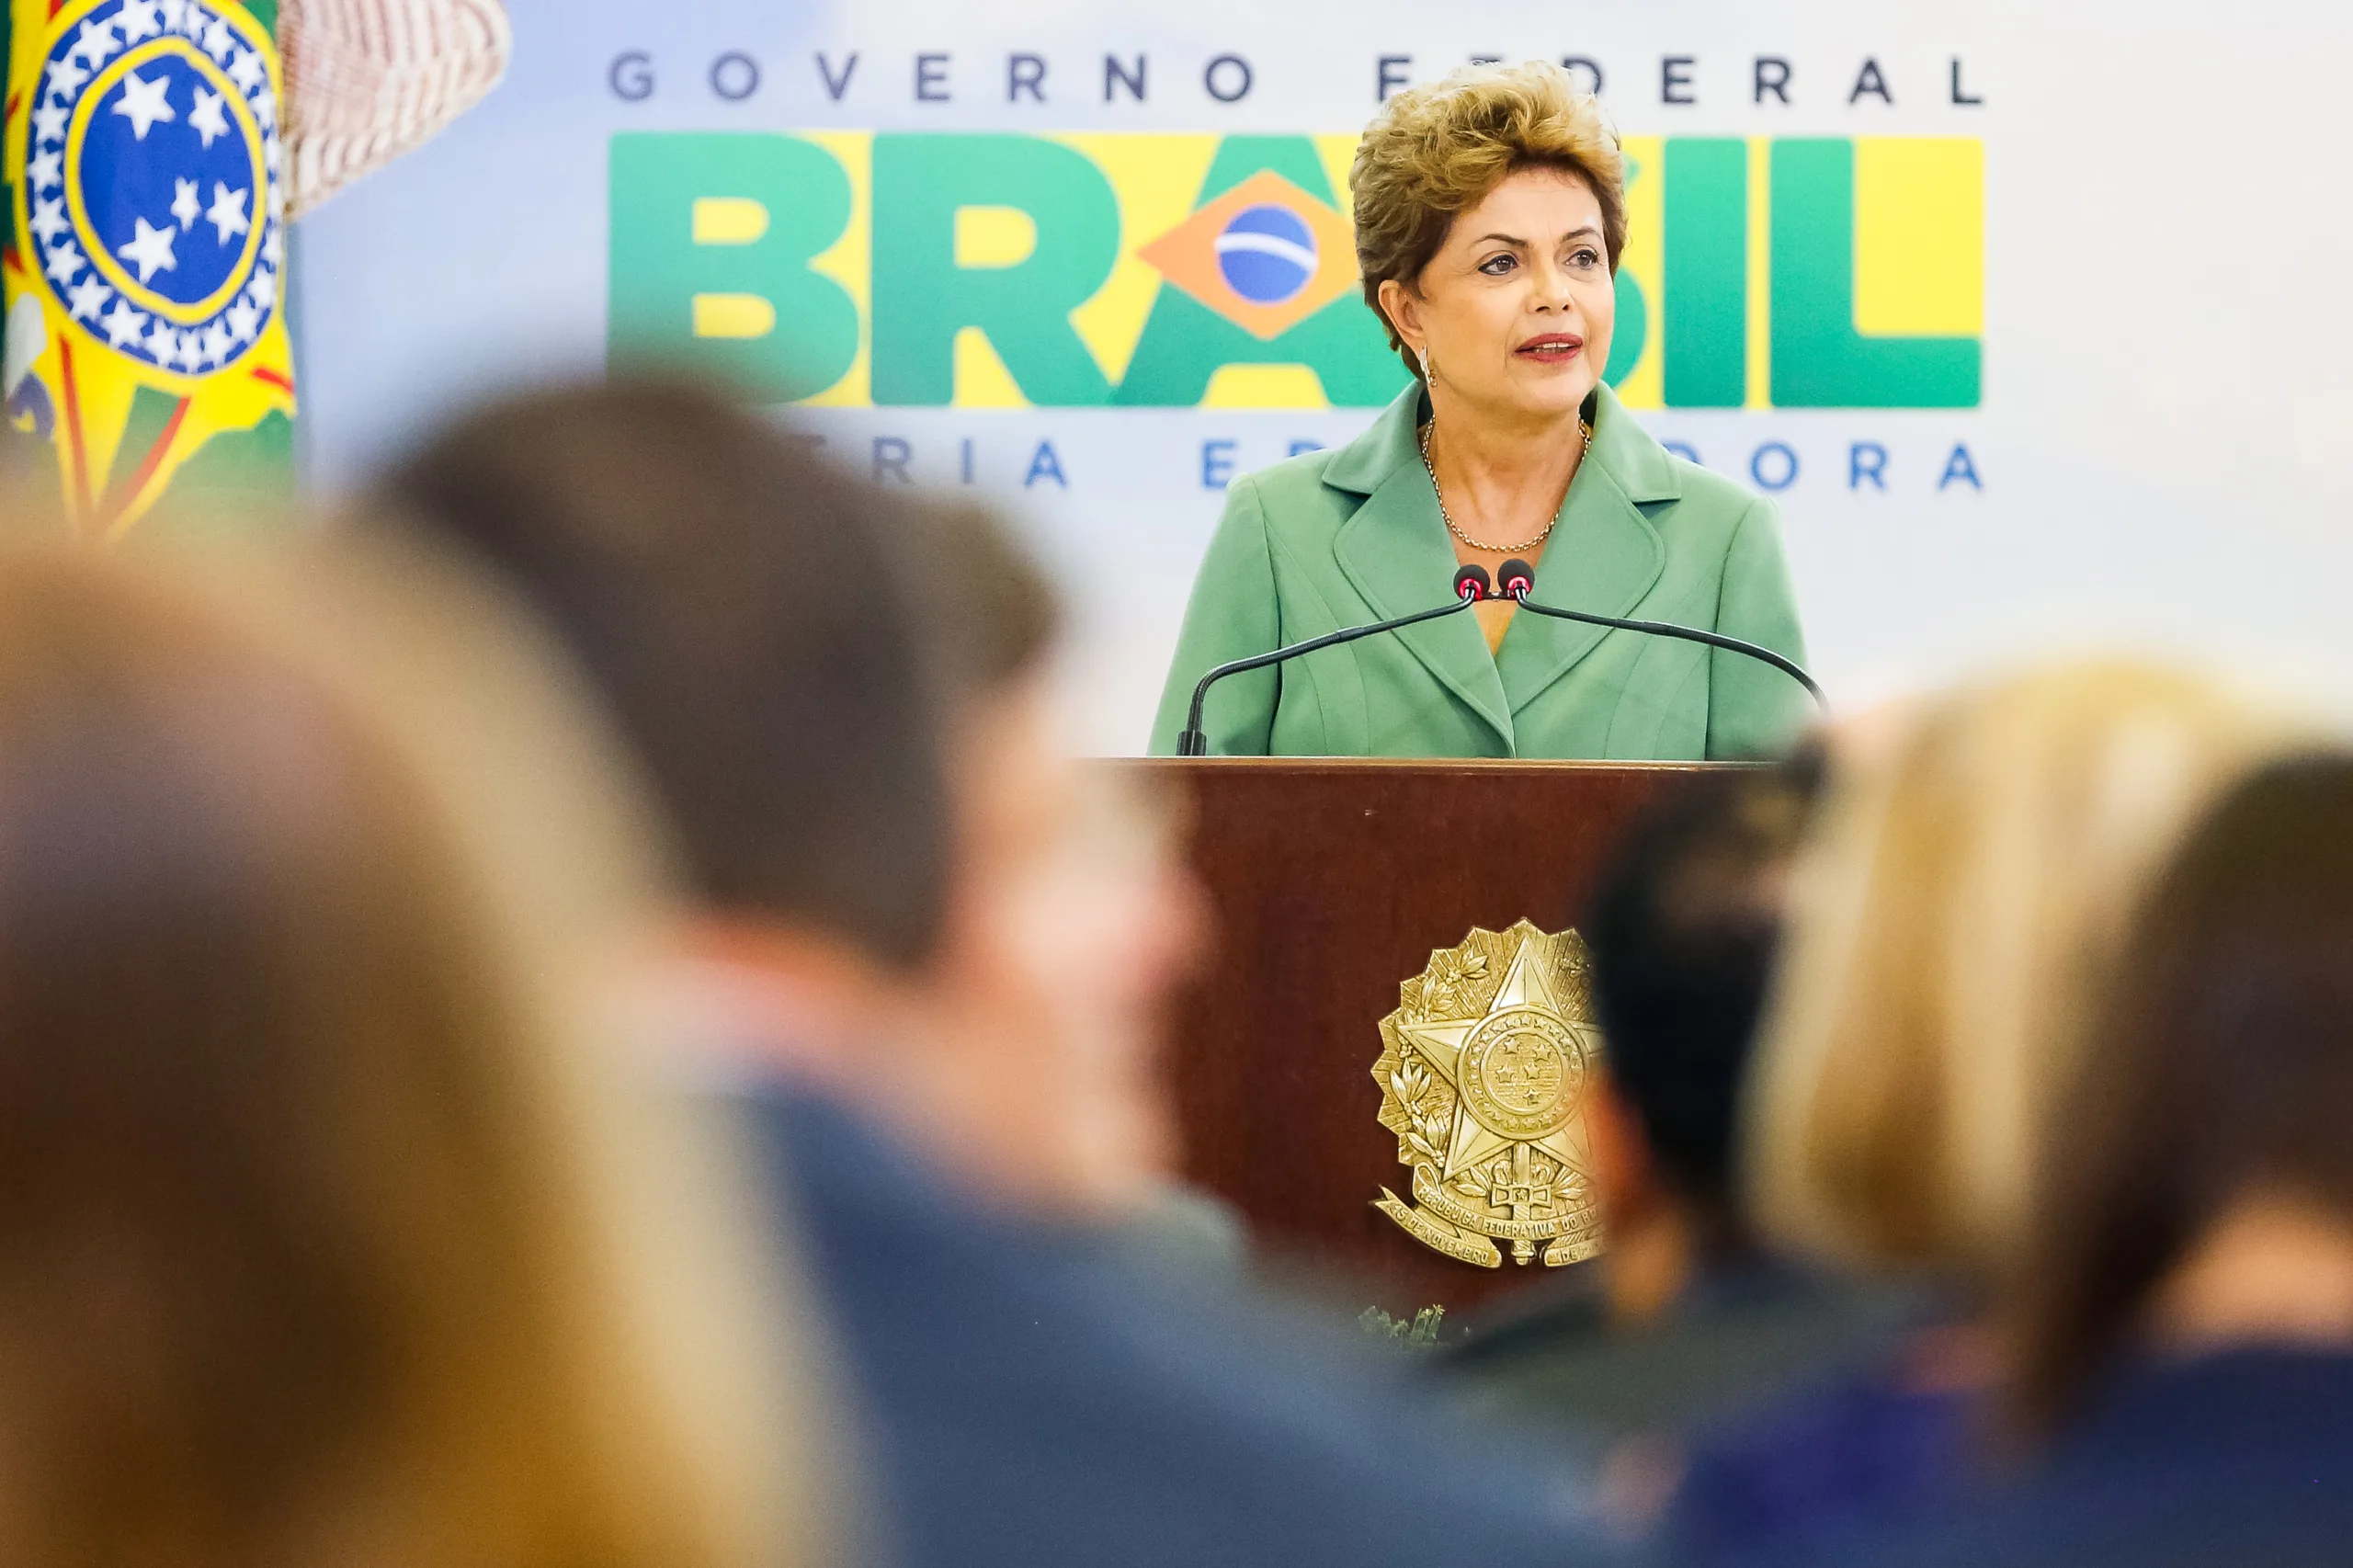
(1683, 928)
(287, 1272)
(990, 615)
(750, 618)
(2222, 1061)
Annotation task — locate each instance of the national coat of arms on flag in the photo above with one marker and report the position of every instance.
(144, 272)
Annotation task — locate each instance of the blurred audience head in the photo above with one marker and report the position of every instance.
(841, 696)
(1955, 914)
(740, 610)
(1683, 928)
(310, 1252)
(2202, 1192)
(1069, 919)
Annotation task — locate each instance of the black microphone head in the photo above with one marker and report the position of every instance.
(1471, 582)
(1515, 579)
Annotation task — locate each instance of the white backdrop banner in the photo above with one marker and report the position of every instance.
(2031, 320)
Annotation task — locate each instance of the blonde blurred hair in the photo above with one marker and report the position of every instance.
(1963, 901)
(735, 1404)
(337, 1229)
(1434, 151)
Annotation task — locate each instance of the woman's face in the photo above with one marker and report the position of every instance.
(1516, 308)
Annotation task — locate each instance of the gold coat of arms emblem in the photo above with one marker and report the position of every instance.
(1483, 1073)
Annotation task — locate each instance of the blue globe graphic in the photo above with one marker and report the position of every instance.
(1266, 254)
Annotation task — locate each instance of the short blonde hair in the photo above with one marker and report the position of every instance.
(1434, 151)
(1953, 923)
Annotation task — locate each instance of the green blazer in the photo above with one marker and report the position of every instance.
(1335, 538)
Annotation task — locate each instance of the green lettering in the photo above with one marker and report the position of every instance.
(1630, 316)
(1819, 359)
(765, 320)
(922, 299)
(1630, 328)
(1706, 247)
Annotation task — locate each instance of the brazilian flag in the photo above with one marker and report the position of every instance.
(142, 250)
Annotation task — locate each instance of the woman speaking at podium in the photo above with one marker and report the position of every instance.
(1490, 212)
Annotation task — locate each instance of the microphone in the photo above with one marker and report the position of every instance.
(1470, 586)
(1515, 579)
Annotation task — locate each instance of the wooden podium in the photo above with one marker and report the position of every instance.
(1332, 881)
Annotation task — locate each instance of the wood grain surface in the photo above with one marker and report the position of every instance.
(1332, 883)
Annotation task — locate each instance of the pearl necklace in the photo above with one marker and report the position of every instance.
(1447, 517)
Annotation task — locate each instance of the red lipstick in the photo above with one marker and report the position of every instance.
(1551, 347)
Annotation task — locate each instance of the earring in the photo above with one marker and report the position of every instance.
(1425, 353)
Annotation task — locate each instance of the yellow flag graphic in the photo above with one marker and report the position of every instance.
(143, 282)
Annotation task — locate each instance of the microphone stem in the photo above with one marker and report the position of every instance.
(1195, 741)
(1689, 633)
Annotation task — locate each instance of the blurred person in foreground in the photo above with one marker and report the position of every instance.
(930, 963)
(1684, 1320)
(1954, 917)
(2181, 1329)
(319, 1245)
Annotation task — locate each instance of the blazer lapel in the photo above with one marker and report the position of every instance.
(1394, 552)
(1604, 554)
